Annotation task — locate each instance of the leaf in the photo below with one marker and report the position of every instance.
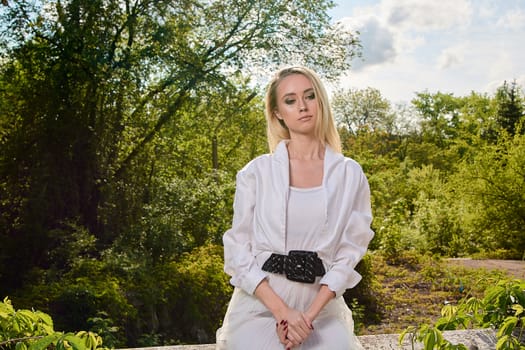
(27, 319)
(76, 342)
(501, 342)
(21, 346)
(6, 308)
(43, 343)
(429, 341)
(518, 309)
(508, 326)
(449, 311)
(44, 318)
(405, 332)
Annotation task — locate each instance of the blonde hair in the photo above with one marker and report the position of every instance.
(325, 129)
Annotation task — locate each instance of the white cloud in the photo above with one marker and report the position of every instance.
(486, 10)
(454, 46)
(377, 41)
(397, 26)
(514, 20)
(427, 15)
(450, 57)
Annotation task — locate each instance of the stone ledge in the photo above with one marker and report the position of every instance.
(473, 339)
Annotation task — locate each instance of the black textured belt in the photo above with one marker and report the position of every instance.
(298, 265)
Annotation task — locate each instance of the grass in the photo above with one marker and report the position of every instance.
(411, 290)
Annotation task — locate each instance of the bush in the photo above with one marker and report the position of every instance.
(180, 301)
(23, 329)
(362, 299)
(203, 291)
(87, 297)
(502, 307)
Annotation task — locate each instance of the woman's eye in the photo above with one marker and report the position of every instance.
(310, 96)
(289, 102)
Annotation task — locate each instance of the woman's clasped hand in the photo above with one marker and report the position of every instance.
(294, 332)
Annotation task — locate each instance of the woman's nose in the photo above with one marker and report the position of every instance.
(302, 105)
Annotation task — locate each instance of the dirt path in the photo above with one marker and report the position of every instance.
(515, 268)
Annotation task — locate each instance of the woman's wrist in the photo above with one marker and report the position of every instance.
(324, 296)
(310, 315)
(280, 311)
(271, 300)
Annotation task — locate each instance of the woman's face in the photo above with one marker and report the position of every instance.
(297, 104)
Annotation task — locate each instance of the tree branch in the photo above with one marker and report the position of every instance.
(16, 340)
(163, 119)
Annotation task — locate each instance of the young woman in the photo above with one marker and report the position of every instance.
(301, 224)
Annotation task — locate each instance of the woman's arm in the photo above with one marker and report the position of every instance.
(353, 241)
(322, 298)
(239, 261)
(298, 327)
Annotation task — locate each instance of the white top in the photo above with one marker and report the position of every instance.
(305, 217)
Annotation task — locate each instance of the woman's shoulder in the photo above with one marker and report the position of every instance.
(352, 163)
(257, 164)
(347, 162)
(265, 162)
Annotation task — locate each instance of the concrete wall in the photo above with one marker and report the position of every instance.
(473, 339)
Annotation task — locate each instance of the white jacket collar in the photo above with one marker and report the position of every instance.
(331, 158)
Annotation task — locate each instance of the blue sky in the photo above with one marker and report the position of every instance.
(451, 46)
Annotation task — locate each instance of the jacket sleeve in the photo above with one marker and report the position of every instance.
(353, 243)
(239, 261)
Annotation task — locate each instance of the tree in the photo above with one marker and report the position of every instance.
(478, 123)
(510, 108)
(366, 109)
(492, 197)
(439, 116)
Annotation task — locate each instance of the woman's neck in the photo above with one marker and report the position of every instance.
(305, 149)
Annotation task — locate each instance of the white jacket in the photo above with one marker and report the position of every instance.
(259, 220)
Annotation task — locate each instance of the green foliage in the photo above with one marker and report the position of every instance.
(502, 308)
(22, 323)
(457, 187)
(440, 116)
(363, 299)
(182, 214)
(89, 296)
(393, 235)
(33, 330)
(492, 201)
(103, 101)
(432, 217)
(431, 338)
(195, 295)
(510, 103)
(163, 302)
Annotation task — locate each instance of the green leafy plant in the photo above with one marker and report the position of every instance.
(502, 308)
(33, 330)
(431, 337)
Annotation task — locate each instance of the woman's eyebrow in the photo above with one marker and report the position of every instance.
(293, 93)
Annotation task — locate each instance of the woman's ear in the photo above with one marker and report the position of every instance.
(277, 115)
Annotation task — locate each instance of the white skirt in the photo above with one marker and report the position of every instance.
(249, 325)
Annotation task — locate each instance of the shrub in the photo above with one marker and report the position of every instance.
(363, 299)
(88, 297)
(28, 329)
(502, 307)
(197, 294)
